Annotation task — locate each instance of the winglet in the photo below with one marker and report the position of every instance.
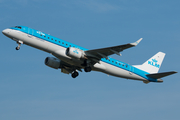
(137, 42)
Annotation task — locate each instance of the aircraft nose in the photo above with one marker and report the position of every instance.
(6, 31)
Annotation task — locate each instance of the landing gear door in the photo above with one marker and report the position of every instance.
(131, 70)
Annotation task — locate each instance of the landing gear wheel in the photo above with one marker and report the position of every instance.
(87, 69)
(17, 48)
(74, 74)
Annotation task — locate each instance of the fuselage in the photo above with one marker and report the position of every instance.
(58, 47)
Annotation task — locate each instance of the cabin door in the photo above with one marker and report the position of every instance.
(30, 32)
(131, 70)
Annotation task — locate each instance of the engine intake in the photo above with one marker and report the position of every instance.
(52, 62)
(74, 53)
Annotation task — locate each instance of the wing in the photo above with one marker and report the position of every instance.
(104, 52)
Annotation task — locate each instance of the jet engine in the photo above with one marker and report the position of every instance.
(52, 62)
(74, 53)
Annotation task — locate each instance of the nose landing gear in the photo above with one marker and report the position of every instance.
(18, 47)
(19, 44)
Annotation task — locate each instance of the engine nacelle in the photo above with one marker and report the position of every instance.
(74, 53)
(52, 62)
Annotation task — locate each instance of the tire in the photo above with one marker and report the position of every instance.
(87, 69)
(17, 48)
(74, 74)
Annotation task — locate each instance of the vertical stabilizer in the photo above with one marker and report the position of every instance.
(153, 64)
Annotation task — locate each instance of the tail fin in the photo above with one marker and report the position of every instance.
(153, 64)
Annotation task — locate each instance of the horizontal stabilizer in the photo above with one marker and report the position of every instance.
(160, 75)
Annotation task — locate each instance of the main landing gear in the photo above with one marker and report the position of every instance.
(74, 74)
(19, 44)
(87, 66)
(87, 69)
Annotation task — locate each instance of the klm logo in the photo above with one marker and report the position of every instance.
(154, 63)
(75, 51)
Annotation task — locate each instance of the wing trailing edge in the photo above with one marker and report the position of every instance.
(105, 52)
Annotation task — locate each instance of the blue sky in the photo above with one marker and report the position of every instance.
(30, 90)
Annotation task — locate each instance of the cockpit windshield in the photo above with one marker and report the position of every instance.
(18, 27)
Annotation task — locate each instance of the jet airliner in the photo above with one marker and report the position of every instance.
(71, 58)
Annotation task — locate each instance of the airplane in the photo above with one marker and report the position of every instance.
(71, 58)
